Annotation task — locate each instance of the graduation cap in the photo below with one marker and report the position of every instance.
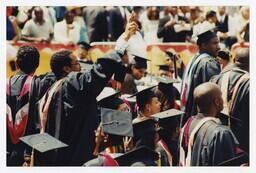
(84, 45)
(241, 159)
(164, 67)
(42, 143)
(108, 98)
(116, 122)
(204, 32)
(139, 62)
(143, 96)
(138, 154)
(144, 126)
(167, 80)
(168, 118)
(166, 84)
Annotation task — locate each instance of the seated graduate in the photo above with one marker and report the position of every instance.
(169, 124)
(145, 134)
(135, 71)
(116, 124)
(147, 102)
(109, 98)
(167, 93)
(114, 127)
(141, 156)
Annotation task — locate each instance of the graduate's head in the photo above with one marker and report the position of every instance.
(138, 67)
(208, 98)
(209, 42)
(108, 98)
(242, 58)
(27, 59)
(83, 50)
(63, 62)
(148, 102)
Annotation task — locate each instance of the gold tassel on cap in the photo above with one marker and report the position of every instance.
(159, 159)
(32, 158)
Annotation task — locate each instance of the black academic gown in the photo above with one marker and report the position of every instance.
(202, 72)
(72, 115)
(213, 144)
(241, 106)
(39, 85)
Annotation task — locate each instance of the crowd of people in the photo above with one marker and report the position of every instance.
(72, 24)
(112, 112)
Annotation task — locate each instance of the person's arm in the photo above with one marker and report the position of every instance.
(16, 30)
(111, 64)
(239, 35)
(164, 26)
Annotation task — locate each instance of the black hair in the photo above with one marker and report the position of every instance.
(28, 59)
(210, 14)
(59, 60)
(223, 54)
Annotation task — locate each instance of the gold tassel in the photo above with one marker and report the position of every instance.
(159, 159)
(32, 159)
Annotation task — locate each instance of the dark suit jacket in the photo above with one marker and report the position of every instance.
(96, 22)
(168, 34)
(116, 23)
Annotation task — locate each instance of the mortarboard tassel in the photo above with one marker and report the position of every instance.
(32, 158)
(159, 159)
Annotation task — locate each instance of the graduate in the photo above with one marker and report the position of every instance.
(167, 93)
(235, 87)
(200, 69)
(70, 108)
(169, 124)
(135, 71)
(23, 90)
(204, 141)
(114, 127)
(147, 102)
(83, 55)
(145, 135)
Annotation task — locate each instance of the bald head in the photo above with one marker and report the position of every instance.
(242, 58)
(207, 97)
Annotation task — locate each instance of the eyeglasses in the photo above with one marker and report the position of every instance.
(76, 63)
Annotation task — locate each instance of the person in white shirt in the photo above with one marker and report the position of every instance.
(67, 31)
(150, 25)
(37, 29)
